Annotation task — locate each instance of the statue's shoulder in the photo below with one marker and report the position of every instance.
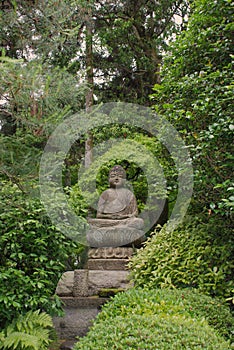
(127, 192)
(106, 193)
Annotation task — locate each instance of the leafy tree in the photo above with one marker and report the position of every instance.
(35, 97)
(132, 38)
(133, 35)
(196, 94)
(129, 38)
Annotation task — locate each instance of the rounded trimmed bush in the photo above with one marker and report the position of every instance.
(151, 332)
(167, 302)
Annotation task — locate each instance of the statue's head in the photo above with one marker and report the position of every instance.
(117, 176)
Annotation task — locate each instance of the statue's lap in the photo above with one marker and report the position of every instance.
(114, 236)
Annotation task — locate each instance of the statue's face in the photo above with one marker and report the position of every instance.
(116, 179)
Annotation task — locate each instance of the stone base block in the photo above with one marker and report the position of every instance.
(99, 280)
(114, 237)
(65, 284)
(85, 283)
(96, 280)
(79, 313)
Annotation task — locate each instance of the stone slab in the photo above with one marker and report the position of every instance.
(83, 302)
(100, 279)
(65, 284)
(107, 264)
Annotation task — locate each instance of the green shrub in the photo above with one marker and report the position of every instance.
(166, 302)
(33, 255)
(196, 254)
(196, 96)
(151, 332)
(160, 319)
(27, 332)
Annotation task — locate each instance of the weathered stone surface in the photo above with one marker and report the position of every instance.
(68, 345)
(83, 302)
(116, 224)
(80, 286)
(110, 253)
(133, 222)
(107, 264)
(79, 313)
(114, 236)
(109, 273)
(65, 284)
(98, 280)
(117, 202)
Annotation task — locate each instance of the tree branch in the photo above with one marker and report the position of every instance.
(14, 180)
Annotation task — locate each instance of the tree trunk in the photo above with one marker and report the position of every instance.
(89, 78)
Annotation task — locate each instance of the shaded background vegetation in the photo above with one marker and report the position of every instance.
(43, 67)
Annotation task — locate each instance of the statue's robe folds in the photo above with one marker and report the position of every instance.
(116, 223)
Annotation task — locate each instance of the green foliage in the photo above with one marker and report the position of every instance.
(196, 95)
(150, 332)
(160, 319)
(196, 254)
(132, 37)
(33, 255)
(48, 29)
(128, 39)
(28, 332)
(77, 201)
(165, 302)
(149, 178)
(37, 96)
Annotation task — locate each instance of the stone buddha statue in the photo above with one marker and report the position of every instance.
(116, 223)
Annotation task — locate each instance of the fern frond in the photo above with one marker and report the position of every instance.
(31, 319)
(41, 333)
(28, 332)
(2, 338)
(18, 341)
(44, 320)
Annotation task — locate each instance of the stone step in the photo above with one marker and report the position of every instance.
(68, 345)
(78, 315)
